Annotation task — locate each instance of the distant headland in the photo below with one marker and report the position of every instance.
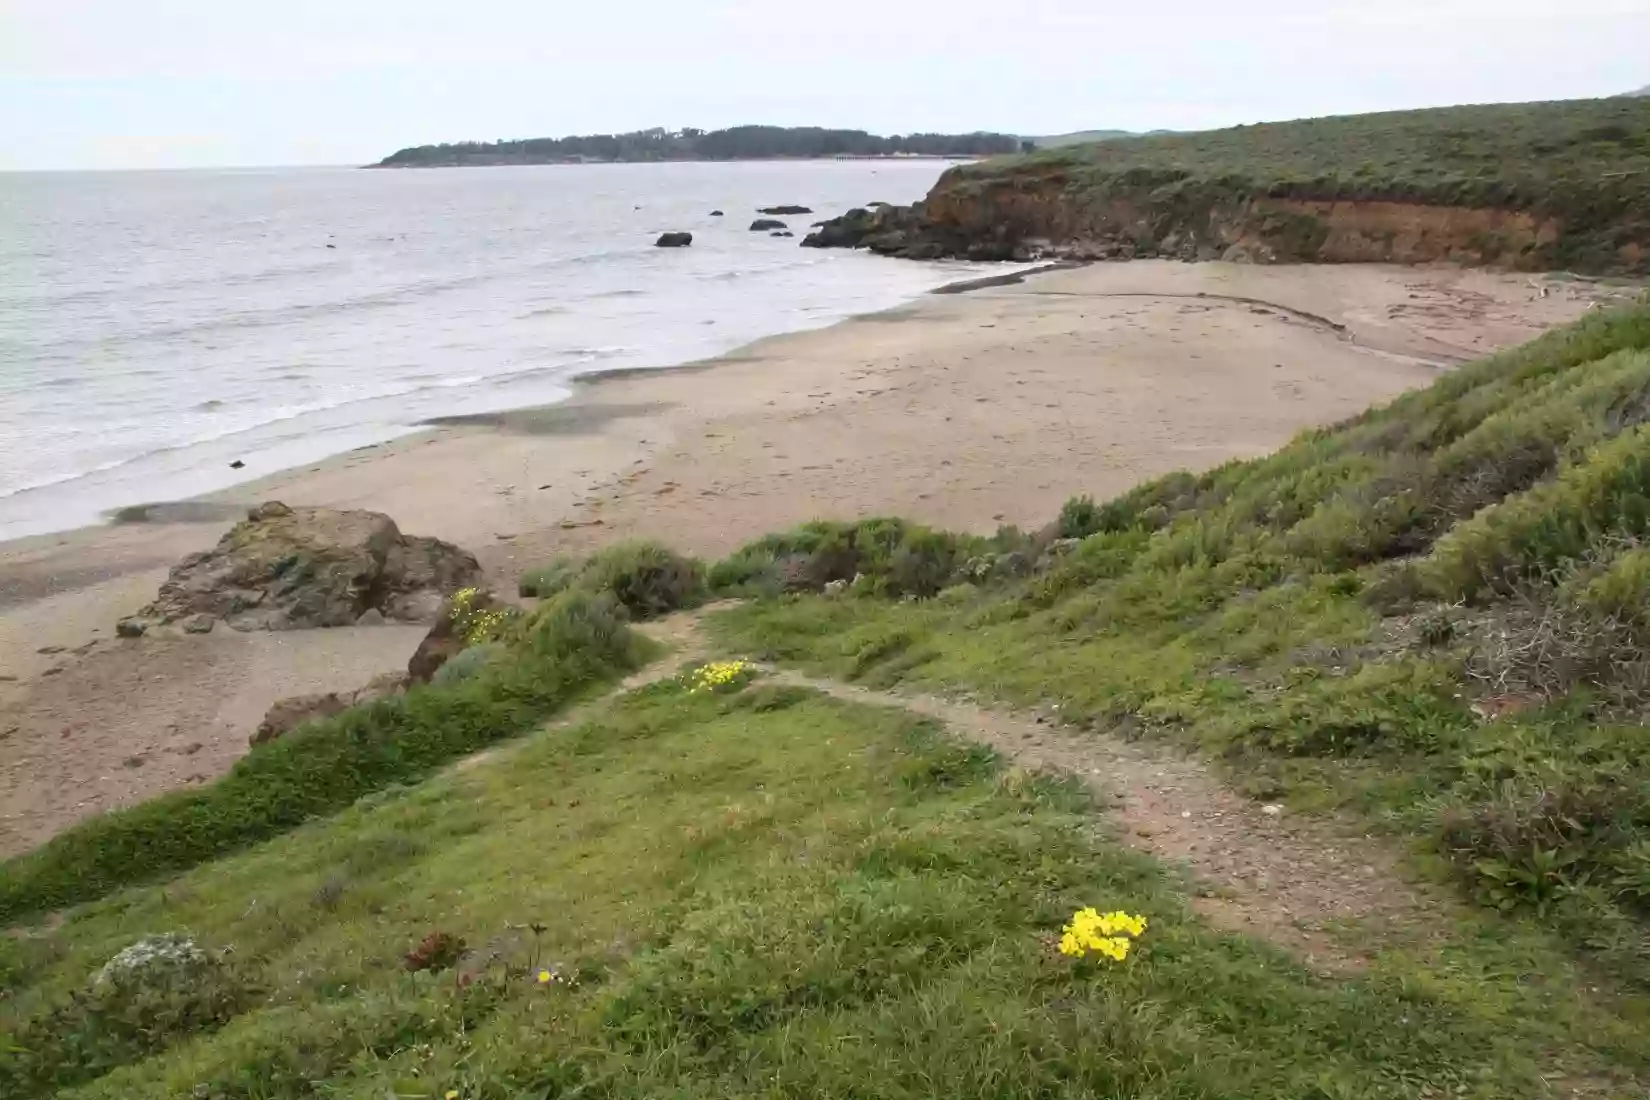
(736, 143)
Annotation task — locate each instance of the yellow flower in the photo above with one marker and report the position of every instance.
(545, 977)
(1105, 934)
(717, 674)
(452, 1094)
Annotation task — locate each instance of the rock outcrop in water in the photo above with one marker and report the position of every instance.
(287, 568)
(763, 225)
(673, 240)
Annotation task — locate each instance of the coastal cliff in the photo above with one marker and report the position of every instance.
(1530, 187)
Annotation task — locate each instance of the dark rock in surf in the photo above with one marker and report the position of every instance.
(785, 210)
(849, 231)
(782, 233)
(673, 240)
(763, 225)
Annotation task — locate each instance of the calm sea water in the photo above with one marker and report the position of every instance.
(157, 326)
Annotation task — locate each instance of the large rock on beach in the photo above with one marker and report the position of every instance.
(764, 225)
(673, 240)
(287, 568)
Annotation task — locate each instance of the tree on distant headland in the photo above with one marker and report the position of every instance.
(737, 143)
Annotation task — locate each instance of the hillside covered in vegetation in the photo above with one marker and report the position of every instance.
(1437, 613)
(1535, 186)
(735, 143)
(721, 881)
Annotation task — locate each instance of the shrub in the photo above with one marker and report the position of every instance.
(548, 580)
(921, 564)
(1540, 812)
(153, 994)
(1079, 518)
(576, 625)
(1528, 535)
(1620, 590)
(466, 663)
(754, 569)
(1435, 627)
(892, 558)
(572, 641)
(647, 578)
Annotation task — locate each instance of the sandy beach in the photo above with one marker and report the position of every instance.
(962, 410)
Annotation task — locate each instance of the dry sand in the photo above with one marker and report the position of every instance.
(963, 410)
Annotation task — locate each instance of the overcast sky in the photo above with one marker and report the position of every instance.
(175, 83)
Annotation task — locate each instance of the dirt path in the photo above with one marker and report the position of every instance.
(1313, 885)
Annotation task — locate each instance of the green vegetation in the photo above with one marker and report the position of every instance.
(645, 577)
(889, 556)
(1433, 614)
(562, 650)
(1586, 162)
(737, 143)
(757, 894)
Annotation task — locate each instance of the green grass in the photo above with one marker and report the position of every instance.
(1323, 622)
(565, 649)
(1585, 162)
(770, 894)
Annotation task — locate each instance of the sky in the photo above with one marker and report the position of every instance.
(193, 83)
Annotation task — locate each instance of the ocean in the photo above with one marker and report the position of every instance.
(157, 327)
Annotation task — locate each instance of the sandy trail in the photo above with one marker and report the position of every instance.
(961, 410)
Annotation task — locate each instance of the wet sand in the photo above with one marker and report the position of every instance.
(964, 410)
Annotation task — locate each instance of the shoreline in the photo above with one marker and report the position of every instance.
(374, 433)
(962, 410)
(210, 507)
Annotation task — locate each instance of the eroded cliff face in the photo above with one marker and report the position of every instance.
(1043, 213)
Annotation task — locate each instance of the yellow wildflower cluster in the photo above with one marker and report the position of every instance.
(1094, 932)
(477, 625)
(720, 676)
